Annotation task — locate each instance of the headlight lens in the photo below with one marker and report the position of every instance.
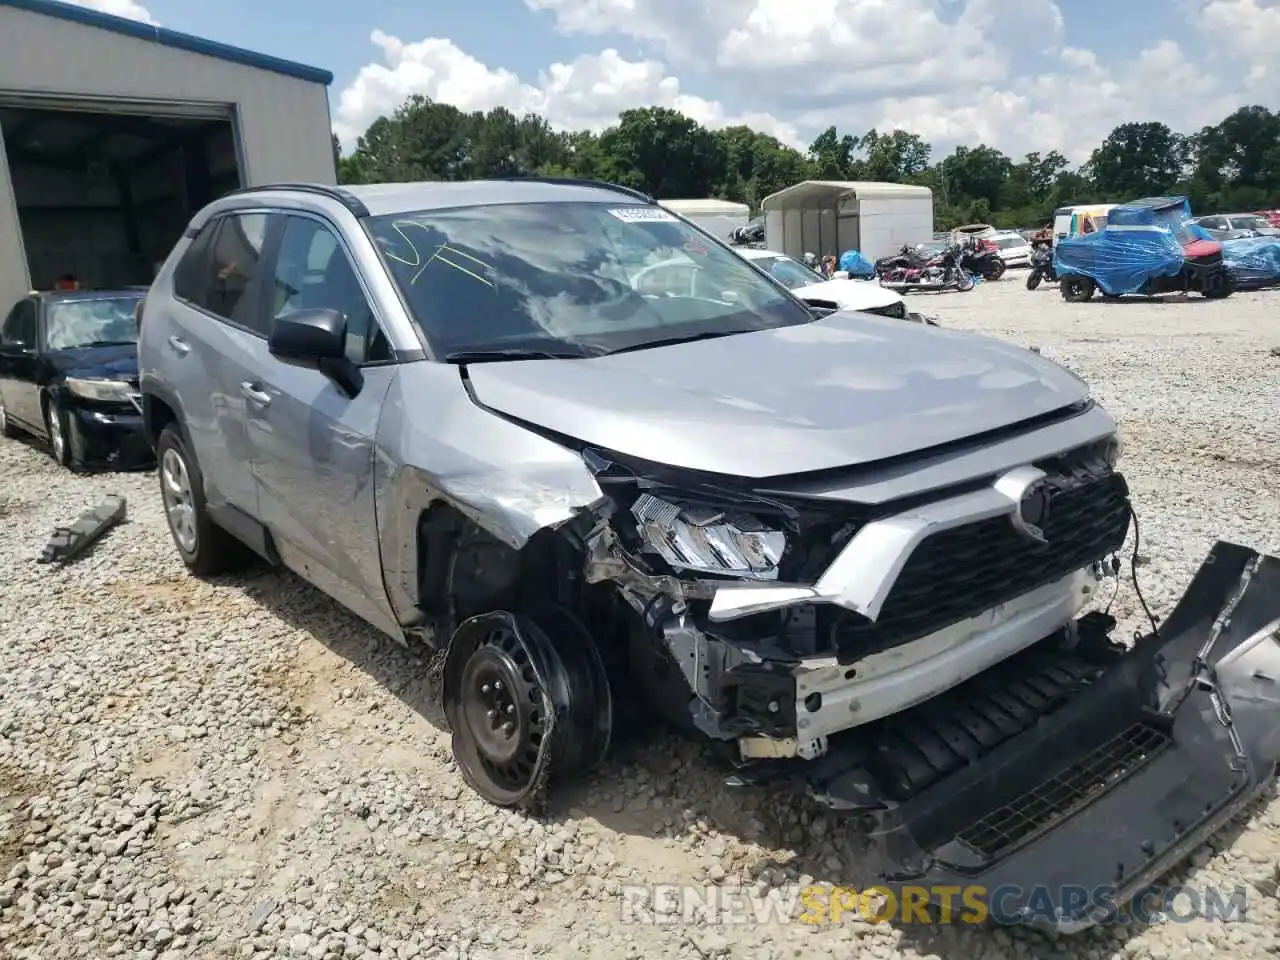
(104, 391)
(701, 540)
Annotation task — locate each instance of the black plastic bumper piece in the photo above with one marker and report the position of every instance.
(69, 542)
(1068, 820)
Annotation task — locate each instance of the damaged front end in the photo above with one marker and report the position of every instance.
(927, 666)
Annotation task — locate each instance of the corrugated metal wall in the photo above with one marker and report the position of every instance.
(283, 122)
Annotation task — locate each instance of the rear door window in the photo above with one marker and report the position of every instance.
(19, 329)
(191, 277)
(234, 267)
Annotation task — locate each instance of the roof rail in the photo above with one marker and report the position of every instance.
(344, 197)
(582, 182)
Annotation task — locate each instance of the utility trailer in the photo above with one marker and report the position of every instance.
(720, 218)
(828, 217)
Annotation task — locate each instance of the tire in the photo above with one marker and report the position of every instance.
(1077, 289)
(205, 547)
(1218, 287)
(55, 430)
(1033, 279)
(965, 282)
(7, 429)
(996, 270)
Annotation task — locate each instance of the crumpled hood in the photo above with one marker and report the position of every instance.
(847, 389)
(104, 363)
(849, 294)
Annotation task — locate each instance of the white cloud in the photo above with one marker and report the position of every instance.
(587, 93)
(954, 71)
(119, 8)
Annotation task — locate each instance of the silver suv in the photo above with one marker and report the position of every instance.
(605, 468)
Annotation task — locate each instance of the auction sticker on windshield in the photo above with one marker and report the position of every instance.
(643, 215)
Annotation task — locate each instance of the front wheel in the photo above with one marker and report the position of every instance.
(205, 547)
(1077, 289)
(1033, 278)
(55, 429)
(964, 282)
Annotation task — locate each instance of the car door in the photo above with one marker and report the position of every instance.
(217, 344)
(313, 444)
(19, 360)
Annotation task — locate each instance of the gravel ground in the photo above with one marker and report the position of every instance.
(239, 768)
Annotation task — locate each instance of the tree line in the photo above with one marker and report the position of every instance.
(1232, 166)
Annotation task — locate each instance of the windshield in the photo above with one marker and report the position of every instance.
(1249, 223)
(1006, 243)
(790, 273)
(571, 278)
(1172, 219)
(91, 323)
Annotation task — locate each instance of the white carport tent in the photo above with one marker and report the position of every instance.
(827, 217)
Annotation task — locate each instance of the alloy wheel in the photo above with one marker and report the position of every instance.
(179, 505)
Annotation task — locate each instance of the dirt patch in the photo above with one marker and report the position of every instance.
(16, 792)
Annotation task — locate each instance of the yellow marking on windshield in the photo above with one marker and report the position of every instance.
(420, 265)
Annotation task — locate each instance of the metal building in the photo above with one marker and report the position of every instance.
(113, 133)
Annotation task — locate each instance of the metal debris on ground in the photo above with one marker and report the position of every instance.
(69, 542)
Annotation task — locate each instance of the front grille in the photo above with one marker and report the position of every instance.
(960, 573)
(1041, 808)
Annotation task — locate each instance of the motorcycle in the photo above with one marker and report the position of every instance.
(1041, 267)
(983, 262)
(908, 271)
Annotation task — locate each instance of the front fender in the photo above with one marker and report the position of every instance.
(436, 445)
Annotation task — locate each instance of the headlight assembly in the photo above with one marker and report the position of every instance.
(702, 540)
(104, 391)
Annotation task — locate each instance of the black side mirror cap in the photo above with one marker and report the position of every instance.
(309, 336)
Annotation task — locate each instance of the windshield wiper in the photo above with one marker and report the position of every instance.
(672, 341)
(497, 356)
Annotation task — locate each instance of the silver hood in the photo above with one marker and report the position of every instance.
(848, 389)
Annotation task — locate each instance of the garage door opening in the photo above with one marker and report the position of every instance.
(104, 197)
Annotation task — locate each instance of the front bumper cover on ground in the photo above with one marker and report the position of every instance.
(1080, 812)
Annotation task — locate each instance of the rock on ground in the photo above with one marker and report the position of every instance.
(238, 768)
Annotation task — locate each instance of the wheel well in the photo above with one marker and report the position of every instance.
(156, 415)
(463, 571)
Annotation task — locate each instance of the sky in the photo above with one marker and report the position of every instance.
(1018, 75)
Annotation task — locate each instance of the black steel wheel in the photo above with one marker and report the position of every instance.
(1217, 285)
(996, 270)
(503, 717)
(527, 701)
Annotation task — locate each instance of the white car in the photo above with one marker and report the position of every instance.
(1013, 249)
(839, 293)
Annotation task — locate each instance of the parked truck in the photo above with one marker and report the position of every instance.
(828, 217)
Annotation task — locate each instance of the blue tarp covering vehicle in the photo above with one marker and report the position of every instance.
(1146, 248)
(1253, 261)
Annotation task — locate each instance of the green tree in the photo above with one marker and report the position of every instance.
(1138, 160)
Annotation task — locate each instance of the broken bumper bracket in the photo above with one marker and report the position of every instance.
(1147, 762)
(69, 542)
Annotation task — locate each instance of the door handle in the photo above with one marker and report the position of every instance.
(180, 346)
(255, 393)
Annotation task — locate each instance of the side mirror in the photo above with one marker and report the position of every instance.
(309, 336)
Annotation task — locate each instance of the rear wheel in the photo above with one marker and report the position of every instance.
(1077, 289)
(205, 547)
(964, 282)
(996, 270)
(7, 429)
